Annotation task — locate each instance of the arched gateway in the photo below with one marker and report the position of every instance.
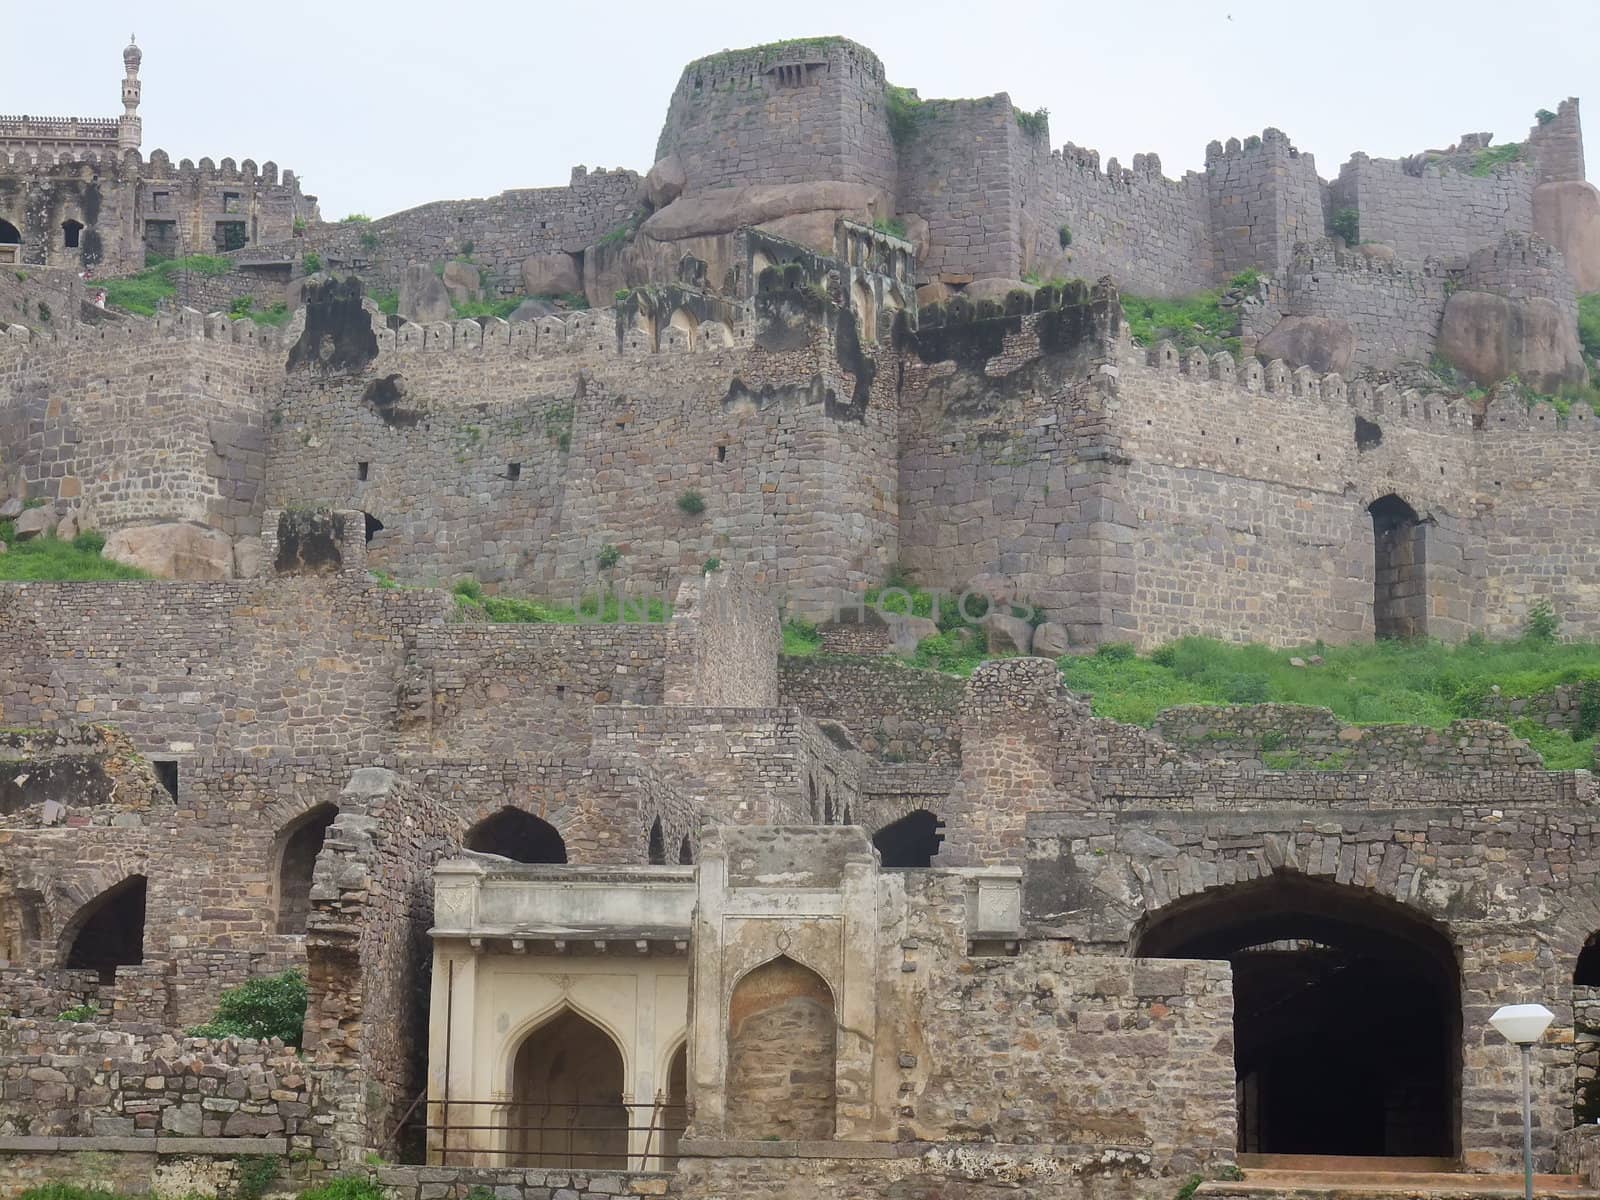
(1347, 1015)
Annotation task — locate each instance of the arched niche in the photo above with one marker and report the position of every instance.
(912, 841)
(295, 859)
(567, 1107)
(782, 1054)
(519, 836)
(107, 932)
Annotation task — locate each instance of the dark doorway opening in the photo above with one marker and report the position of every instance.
(567, 1098)
(167, 772)
(1587, 972)
(9, 234)
(71, 231)
(912, 841)
(1400, 561)
(108, 932)
(657, 849)
(373, 525)
(685, 852)
(299, 844)
(1347, 1016)
(519, 836)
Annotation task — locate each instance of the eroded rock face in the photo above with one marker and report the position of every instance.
(35, 522)
(664, 182)
(1567, 215)
(423, 296)
(1491, 338)
(553, 274)
(1322, 343)
(173, 550)
(723, 210)
(462, 281)
(1007, 634)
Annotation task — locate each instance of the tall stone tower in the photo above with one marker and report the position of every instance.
(129, 131)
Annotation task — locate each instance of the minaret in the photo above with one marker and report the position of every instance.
(129, 132)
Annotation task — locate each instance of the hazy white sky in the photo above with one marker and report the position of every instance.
(382, 106)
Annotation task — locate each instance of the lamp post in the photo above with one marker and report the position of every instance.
(1522, 1025)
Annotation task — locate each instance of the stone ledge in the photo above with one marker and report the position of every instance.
(145, 1145)
(738, 1148)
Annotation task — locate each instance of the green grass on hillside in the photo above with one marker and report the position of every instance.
(1589, 324)
(514, 610)
(143, 292)
(1414, 683)
(49, 559)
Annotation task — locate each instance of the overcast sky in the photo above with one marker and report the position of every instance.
(379, 107)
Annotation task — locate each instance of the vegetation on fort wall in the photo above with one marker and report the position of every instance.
(52, 560)
(609, 609)
(1491, 158)
(255, 1175)
(1190, 321)
(269, 1006)
(1389, 682)
(143, 292)
(1589, 324)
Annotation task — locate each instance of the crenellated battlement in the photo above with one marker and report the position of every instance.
(20, 345)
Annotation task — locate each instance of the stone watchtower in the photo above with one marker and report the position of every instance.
(129, 129)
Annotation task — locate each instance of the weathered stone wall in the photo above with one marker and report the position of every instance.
(139, 422)
(367, 948)
(788, 113)
(1265, 196)
(1439, 212)
(1152, 234)
(1291, 736)
(891, 711)
(957, 174)
(1393, 310)
(722, 644)
(498, 233)
(1522, 266)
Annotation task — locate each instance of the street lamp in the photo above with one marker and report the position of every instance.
(1523, 1025)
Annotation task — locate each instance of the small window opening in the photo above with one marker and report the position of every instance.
(361, 471)
(70, 232)
(514, 471)
(722, 454)
(230, 202)
(167, 773)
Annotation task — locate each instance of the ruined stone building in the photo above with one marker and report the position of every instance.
(75, 193)
(645, 907)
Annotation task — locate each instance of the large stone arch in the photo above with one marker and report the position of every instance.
(519, 835)
(568, 1079)
(1347, 1018)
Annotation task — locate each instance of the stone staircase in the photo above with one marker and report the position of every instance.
(1330, 1177)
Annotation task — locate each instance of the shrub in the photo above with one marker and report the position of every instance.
(355, 218)
(1346, 224)
(345, 1187)
(608, 557)
(369, 241)
(800, 638)
(893, 226)
(1542, 624)
(1195, 321)
(1034, 124)
(710, 565)
(83, 1012)
(1491, 158)
(240, 306)
(1253, 142)
(1544, 116)
(904, 109)
(90, 541)
(691, 502)
(311, 262)
(1064, 236)
(468, 589)
(253, 1175)
(265, 1007)
(1589, 324)
(388, 302)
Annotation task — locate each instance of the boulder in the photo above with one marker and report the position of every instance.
(1322, 343)
(1050, 640)
(11, 509)
(1567, 215)
(4, 547)
(1491, 338)
(995, 288)
(532, 309)
(423, 297)
(1375, 252)
(917, 233)
(67, 527)
(905, 632)
(722, 210)
(553, 274)
(933, 293)
(664, 182)
(173, 550)
(249, 557)
(35, 522)
(463, 281)
(1007, 634)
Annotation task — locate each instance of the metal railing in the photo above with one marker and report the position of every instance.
(550, 1133)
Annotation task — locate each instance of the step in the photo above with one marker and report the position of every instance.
(1260, 1184)
(1349, 1162)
